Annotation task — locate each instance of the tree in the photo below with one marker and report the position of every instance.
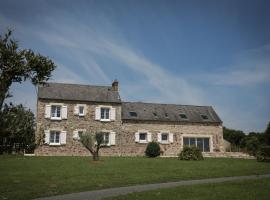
(93, 142)
(252, 145)
(17, 65)
(17, 127)
(267, 134)
(233, 136)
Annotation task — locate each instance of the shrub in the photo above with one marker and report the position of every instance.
(190, 153)
(152, 150)
(263, 154)
(252, 145)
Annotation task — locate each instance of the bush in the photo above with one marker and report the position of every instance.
(263, 154)
(252, 145)
(152, 150)
(190, 153)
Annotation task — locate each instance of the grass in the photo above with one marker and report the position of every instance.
(238, 190)
(31, 177)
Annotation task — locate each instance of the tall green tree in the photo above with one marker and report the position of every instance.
(233, 136)
(16, 127)
(18, 65)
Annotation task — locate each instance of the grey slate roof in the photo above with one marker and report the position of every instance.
(168, 112)
(63, 91)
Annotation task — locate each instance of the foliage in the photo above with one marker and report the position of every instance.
(191, 153)
(17, 65)
(93, 142)
(267, 134)
(252, 145)
(17, 129)
(152, 150)
(263, 154)
(234, 137)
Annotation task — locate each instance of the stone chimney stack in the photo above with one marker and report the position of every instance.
(115, 85)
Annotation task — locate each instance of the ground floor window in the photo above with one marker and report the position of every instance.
(142, 137)
(164, 137)
(200, 142)
(55, 137)
(106, 136)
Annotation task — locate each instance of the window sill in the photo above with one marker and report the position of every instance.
(81, 115)
(105, 120)
(164, 142)
(54, 144)
(56, 118)
(142, 142)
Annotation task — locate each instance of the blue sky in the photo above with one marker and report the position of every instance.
(185, 52)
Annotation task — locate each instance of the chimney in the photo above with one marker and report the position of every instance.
(115, 85)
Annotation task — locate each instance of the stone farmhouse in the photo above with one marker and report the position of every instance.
(64, 111)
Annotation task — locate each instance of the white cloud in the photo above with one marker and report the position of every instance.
(251, 67)
(170, 87)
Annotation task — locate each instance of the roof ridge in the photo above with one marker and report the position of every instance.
(77, 84)
(164, 104)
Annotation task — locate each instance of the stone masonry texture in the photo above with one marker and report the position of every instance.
(124, 130)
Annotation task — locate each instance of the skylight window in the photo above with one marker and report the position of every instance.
(204, 117)
(133, 114)
(183, 116)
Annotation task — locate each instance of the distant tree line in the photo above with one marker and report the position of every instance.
(250, 142)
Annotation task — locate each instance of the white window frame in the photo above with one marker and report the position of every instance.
(105, 119)
(106, 133)
(56, 118)
(143, 141)
(76, 135)
(79, 113)
(164, 141)
(55, 143)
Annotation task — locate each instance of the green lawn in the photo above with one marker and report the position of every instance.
(238, 190)
(29, 177)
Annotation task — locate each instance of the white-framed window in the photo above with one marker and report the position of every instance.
(55, 112)
(77, 133)
(54, 137)
(203, 143)
(106, 138)
(143, 137)
(81, 110)
(164, 137)
(104, 113)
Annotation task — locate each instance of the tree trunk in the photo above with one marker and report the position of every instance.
(95, 156)
(4, 86)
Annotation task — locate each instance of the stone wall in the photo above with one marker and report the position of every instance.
(73, 122)
(125, 132)
(130, 148)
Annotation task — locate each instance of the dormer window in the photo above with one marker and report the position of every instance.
(166, 115)
(204, 117)
(183, 116)
(155, 114)
(132, 114)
